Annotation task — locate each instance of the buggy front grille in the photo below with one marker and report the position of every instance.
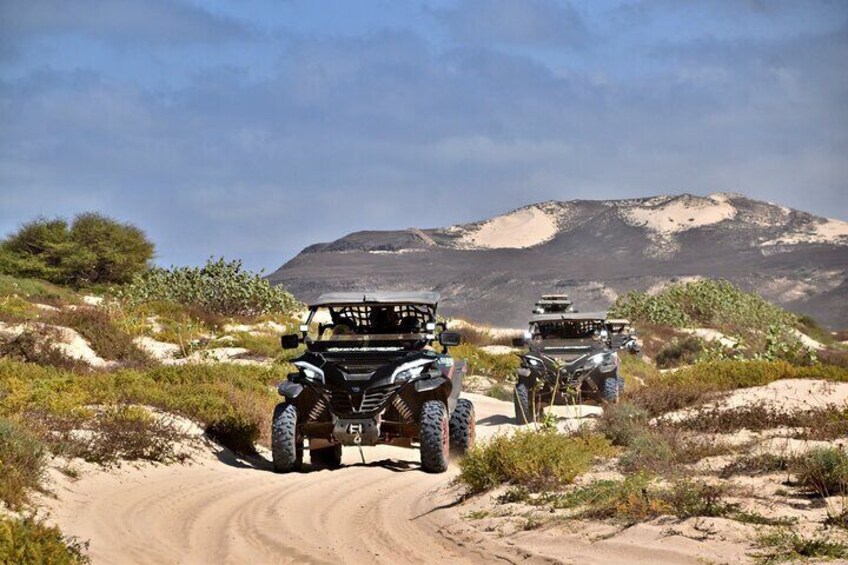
(343, 402)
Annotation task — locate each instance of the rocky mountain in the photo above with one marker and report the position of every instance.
(493, 270)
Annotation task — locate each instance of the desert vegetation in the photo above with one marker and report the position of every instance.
(705, 440)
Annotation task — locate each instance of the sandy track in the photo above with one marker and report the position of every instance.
(219, 509)
(223, 510)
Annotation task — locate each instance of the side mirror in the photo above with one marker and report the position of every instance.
(519, 342)
(449, 339)
(290, 341)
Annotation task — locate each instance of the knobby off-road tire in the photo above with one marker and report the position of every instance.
(463, 427)
(613, 387)
(521, 397)
(327, 457)
(435, 437)
(286, 447)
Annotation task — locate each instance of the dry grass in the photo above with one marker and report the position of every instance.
(107, 338)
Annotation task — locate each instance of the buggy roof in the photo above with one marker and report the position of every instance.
(571, 316)
(554, 297)
(624, 321)
(377, 297)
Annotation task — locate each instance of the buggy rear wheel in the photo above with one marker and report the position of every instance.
(613, 387)
(435, 437)
(463, 431)
(327, 457)
(286, 446)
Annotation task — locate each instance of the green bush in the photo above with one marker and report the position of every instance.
(708, 303)
(535, 460)
(22, 460)
(221, 287)
(93, 249)
(28, 541)
(622, 423)
(764, 329)
(823, 471)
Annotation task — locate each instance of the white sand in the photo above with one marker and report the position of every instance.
(159, 350)
(826, 231)
(681, 214)
(523, 228)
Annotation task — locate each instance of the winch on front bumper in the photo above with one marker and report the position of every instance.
(356, 431)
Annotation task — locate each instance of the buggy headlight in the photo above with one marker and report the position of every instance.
(410, 370)
(408, 374)
(310, 371)
(606, 361)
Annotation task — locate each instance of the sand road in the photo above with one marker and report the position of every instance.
(219, 509)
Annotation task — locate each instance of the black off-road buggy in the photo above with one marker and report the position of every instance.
(569, 356)
(370, 376)
(553, 304)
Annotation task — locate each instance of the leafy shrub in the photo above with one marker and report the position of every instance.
(535, 460)
(27, 541)
(22, 460)
(823, 471)
(93, 249)
(764, 328)
(709, 303)
(219, 287)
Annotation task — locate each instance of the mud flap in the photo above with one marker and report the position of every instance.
(289, 389)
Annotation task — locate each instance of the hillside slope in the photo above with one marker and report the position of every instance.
(492, 271)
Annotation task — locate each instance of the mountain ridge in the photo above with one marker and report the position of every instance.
(492, 270)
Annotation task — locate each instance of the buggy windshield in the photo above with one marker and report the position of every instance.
(567, 329)
(367, 322)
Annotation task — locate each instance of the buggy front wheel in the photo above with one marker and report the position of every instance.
(286, 446)
(435, 437)
(526, 406)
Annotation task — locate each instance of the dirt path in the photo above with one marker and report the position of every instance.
(223, 510)
(219, 509)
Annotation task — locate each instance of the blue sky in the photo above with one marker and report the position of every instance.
(253, 128)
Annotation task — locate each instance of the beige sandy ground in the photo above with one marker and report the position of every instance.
(219, 509)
